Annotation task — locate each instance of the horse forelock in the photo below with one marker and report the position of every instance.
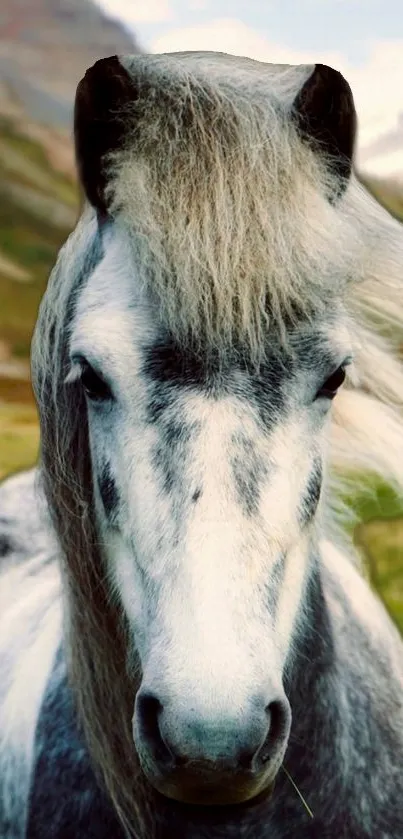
(227, 207)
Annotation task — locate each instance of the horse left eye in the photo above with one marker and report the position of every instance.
(95, 387)
(332, 384)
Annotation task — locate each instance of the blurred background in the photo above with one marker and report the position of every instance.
(45, 48)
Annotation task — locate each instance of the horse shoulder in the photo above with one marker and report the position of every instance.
(30, 627)
(47, 786)
(368, 689)
(64, 792)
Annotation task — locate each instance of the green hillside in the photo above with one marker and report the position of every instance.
(38, 208)
(388, 193)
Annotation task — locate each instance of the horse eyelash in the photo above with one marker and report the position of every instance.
(74, 374)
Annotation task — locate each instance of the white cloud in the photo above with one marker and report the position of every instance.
(377, 86)
(232, 36)
(388, 165)
(198, 5)
(134, 12)
(377, 83)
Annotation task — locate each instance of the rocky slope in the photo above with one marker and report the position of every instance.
(45, 48)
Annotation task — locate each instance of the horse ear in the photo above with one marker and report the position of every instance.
(325, 114)
(101, 99)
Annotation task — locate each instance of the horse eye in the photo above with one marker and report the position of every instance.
(332, 384)
(94, 385)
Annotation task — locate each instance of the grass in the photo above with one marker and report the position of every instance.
(25, 160)
(19, 437)
(382, 543)
(29, 238)
(379, 536)
(389, 194)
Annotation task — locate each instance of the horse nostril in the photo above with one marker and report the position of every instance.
(148, 711)
(271, 736)
(279, 720)
(246, 757)
(208, 746)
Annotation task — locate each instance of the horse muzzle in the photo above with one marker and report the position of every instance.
(198, 760)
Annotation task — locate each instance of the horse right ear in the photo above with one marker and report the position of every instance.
(325, 114)
(102, 99)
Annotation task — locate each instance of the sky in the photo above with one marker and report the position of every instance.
(361, 38)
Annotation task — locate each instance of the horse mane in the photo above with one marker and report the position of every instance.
(229, 212)
(227, 209)
(367, 416)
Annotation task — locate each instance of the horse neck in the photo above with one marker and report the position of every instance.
(313, 685)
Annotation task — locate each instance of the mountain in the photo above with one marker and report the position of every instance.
(45, 48)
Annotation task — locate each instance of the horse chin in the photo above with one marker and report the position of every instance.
(208, 797)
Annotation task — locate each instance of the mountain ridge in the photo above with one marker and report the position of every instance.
(46, 47)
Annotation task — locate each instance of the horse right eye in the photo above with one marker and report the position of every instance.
(332, 384)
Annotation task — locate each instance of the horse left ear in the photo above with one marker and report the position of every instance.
(326, 117)
(102, 97)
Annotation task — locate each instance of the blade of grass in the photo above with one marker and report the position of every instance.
(307, 808)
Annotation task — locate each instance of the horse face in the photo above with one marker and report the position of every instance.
(206, 486)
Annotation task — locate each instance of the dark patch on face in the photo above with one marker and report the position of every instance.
(158, 403)
(170, 452)
(274, 585)
(109, 493)
(167, 362)
(313, 642)
(171, 367)
(176, 433)
(249, 473)
(269, 388)
(164, 461)
(95, 253)
(5, 545)
(312, 494)
(196, 495)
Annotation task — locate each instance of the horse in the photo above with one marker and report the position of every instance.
(189, 645)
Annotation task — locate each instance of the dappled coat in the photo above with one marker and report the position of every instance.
(187, 646)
